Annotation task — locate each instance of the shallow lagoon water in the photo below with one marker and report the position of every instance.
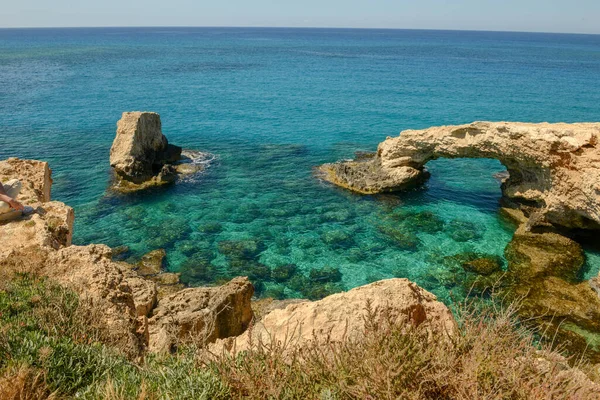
(271, 104)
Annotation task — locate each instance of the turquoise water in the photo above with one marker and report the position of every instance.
(271, 104)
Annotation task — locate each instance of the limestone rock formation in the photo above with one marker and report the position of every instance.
(553, 168)
(41, 244)
(342, 315)
(141, 155)
(52, 225)
(543, 276)
(201, 314)
(35, 177)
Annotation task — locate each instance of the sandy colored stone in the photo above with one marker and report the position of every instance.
(35, 177)
(554, 167)
(144, 291)
(342, 316)
(201, 314)
(50, 227)
(90, 271)
(151, 263)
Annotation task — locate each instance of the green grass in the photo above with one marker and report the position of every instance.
(51, 346)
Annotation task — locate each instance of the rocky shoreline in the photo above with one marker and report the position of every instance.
(551, 193)
(141, 319)
(148, 309)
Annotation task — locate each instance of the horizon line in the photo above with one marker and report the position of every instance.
(295, 27)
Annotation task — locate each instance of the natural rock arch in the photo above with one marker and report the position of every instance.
(554, 169)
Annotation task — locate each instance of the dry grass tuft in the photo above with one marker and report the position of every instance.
(24, 383)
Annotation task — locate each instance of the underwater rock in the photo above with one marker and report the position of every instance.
(197, 270)
(283, 273)
(418, 221)
(164, 233)
(241, 249)
(325, 274)
(481, 264)
(532, 256)
(319, 290)
(463, 231)
(343, 316)
(201, 314)
(211, 227)
(121, 253)
(544, 275)
(152, 263)
(337, 238)
(400, 238)
(252, 269)
(554, 168)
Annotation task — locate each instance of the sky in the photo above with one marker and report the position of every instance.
(574, 16)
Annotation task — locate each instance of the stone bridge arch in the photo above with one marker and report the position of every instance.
(554, 169)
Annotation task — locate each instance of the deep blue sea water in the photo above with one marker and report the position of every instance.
(271, 104)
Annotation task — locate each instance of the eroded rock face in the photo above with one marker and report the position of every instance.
(544, 278)
(342, 316)
(41, 244)
(140, 153)
(553, 167)
(35, 177)
(201, 314)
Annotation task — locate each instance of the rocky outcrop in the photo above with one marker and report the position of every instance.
(201, 315)
(554, 169)
(140, 152)
(342, 316)
(123, 299)
(35, 177)
(544, 278)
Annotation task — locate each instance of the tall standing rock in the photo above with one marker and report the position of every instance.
(141, 154)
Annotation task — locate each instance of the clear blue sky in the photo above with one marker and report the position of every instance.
(582, 16)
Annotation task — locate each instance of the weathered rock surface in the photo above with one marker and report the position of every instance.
(201, 314)
(544, 277)
(141, 155)
(41, 244)
(555, 168)
(140, 150)
(51, 226)
(342, 316)
(35, 177)
(152, 263)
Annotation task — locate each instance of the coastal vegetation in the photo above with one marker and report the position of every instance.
(53, 346)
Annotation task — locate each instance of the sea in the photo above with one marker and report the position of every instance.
(268, 105)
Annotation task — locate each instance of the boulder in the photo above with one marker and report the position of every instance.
(201, 315)
(553, 169)
(342, 316)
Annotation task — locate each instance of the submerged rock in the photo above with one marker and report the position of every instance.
(544, 277)
(283, 273)
(240, 249)
(553, 168)
(418, 221)
(400, 237)
(463, 231)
